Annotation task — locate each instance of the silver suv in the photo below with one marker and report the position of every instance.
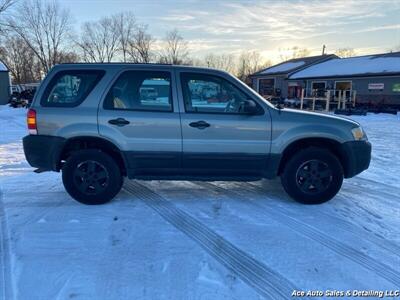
(99, 123)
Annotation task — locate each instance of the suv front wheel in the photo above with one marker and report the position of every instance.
(312, 176)
(91, 177)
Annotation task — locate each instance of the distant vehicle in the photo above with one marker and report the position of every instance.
(31, 86)
(16, 88)
(22, 98)
(295, 103)
(148, 93)
(93, 123)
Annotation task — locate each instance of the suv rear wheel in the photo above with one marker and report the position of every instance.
(312, 176)
(91, 177)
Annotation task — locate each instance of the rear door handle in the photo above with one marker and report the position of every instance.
(199, 124)
(119, 122)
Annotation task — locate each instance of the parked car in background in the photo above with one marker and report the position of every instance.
(16, 88)
(23, 98)
(91, 122)
(148, 93)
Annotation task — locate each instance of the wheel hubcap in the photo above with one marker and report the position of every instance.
(91, 177)
(313, 176)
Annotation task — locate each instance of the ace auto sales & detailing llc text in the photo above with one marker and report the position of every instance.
(348, 293)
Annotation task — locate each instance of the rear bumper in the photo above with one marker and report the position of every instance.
(357, 156)
(43, 152)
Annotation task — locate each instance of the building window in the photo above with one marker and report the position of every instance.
(294, 90)
(266, 86)
(343, 86)
(319, 87)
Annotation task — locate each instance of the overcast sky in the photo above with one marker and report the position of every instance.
(266, 26)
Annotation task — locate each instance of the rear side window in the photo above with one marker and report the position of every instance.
(142, 91)
(70, 88)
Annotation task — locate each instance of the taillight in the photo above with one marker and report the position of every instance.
(31, 120)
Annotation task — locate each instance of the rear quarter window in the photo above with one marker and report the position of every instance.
(70, 88)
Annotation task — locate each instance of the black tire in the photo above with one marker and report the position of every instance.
(312, 176)
(91, 177)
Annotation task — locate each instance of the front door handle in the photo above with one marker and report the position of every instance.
(199, 124)
(119, 122)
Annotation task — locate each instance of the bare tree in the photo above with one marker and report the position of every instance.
(100, 40)
(175, 51)
(224, 62)
(6, 4)
(345, 52)
(139, 49)
(67, 57)
(44, 27)
(118, 37)
(126, 25)
(250, 62)
(294, 52)
(20, 59)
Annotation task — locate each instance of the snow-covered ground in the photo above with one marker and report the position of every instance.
(193, 240)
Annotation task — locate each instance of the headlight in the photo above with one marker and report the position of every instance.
(358, 134)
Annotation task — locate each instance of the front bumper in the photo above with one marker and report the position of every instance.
(43, 152)
(357, 156)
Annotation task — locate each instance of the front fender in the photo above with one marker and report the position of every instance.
(282, 139)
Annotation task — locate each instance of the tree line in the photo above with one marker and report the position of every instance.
(35, 35)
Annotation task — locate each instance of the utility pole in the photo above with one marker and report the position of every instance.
(323, 49)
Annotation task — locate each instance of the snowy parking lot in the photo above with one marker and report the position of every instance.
(197, 240)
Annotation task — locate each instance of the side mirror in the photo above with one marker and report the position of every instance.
(250, 107)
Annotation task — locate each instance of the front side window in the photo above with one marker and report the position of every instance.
(70, 88)
(141, 90)
(211, 94)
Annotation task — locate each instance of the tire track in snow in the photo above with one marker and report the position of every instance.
(380, 195)
(386, 193)
(393, 189)
(6, 283)
(339, 224)
(283, 216)
(264, 280)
